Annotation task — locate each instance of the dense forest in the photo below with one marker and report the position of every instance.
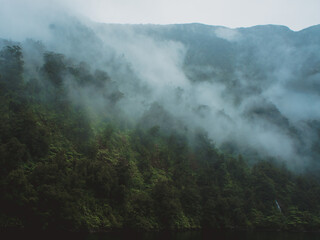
(65, 166)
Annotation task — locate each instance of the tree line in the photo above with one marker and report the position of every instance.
(63, 169)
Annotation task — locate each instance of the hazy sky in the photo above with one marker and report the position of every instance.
(296, 14)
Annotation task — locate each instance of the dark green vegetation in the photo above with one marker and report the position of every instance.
(65, 167)
(169, 235)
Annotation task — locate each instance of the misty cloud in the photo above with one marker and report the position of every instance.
(227, 34)
(252, 89)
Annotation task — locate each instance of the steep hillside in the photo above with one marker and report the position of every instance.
(160, 127)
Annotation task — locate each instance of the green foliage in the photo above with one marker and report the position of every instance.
(64, 168)
(54, 68)
(11, 68)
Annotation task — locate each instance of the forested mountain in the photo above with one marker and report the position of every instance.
(160, 127)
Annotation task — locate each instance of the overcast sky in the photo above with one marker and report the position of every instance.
(296, 14)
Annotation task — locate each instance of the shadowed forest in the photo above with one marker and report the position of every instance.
(68, 162)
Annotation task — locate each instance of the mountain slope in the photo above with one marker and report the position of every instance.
(160, 127)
